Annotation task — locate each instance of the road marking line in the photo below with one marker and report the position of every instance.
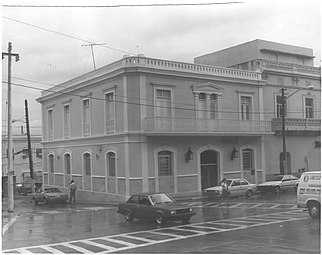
(233, 206)
(103, 246)
(78, 248)
(9, 224)
(107, 238)
(53, 250)
(141, 239)
(274, 206)
(254, 206)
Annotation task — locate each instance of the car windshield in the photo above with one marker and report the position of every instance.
(52, 190)
(277, 178)
(161, 199)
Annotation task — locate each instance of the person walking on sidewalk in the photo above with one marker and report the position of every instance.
(72, 189)
(225, 192)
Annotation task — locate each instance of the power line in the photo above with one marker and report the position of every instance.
(118, 5)
(66, 35)
(148, 105)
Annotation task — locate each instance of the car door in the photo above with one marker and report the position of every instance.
(145, 208)
(132, 205)
(244, 186)
(235, 189)
(286, 182)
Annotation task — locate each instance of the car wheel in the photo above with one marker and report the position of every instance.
(128, 216)
(159, 218)
(249, 193)
(314, 210)
(277, 190)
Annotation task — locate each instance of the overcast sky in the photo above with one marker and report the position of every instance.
(49, 40)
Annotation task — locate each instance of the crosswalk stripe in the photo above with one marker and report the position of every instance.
(254, 206)
(78, 248)
(235, 205)
(274, 206)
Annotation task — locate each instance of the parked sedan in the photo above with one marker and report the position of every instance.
(155, 206)
(279, 183)
(236, 187)
(50, 195)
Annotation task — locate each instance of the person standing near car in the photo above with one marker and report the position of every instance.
(225, 192)
(72, 189)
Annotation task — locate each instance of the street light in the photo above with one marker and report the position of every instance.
(284, 156)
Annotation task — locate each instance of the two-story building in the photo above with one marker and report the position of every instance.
(143, 124)
(290, 68)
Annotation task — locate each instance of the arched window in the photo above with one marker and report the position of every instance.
(165, 162)
(248, 159)
(51, 163)
(110, 164)
(67, 163)
(87, 164)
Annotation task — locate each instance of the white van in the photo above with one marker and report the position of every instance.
(309, 193)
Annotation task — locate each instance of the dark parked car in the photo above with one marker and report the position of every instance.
(156, 206)
(50, 195)
(279, 183)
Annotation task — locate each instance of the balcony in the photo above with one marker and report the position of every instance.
(296, 124)
(166, 125)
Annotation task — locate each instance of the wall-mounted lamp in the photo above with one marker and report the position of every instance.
(189, 155)
(97, 156)
(58, 157)
(234, 154)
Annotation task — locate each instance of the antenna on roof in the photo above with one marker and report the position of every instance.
(93, 44)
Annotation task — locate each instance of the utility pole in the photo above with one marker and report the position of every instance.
(29, 149)
(284, 157)
(10, 159)
(93, 44)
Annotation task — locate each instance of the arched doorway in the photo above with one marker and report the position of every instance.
(209, 167)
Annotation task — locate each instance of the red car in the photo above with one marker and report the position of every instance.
(156, 206)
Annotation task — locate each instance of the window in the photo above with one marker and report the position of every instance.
(66, 121)
(67, 163)
(50, 124)
(87, 164)
(109, 111)
(38, 153)
(86, 117)
(213, 106)
(279, 103)
(202, 106)
(309, 108)
(246, 107)
(248, 159)
(163, 103)
(165, 163)
(110, 163)
(134, 199)
(51, 163)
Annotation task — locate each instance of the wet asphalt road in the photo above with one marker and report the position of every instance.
(260, 224)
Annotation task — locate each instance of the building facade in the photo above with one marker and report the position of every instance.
(150, 125)
(291, 68)
(20, 153)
